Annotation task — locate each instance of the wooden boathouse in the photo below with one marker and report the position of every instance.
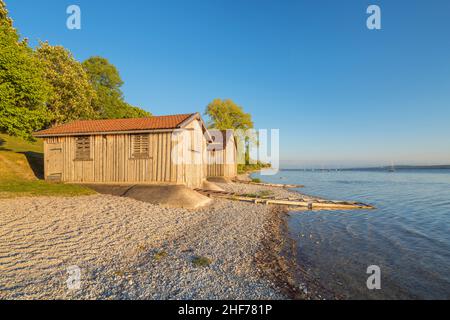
(160, 149)
(222, 154)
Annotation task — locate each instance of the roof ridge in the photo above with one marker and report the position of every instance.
(118, 125)
(113, 119)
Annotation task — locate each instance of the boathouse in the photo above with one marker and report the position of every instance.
(222, 154)
(160, 149)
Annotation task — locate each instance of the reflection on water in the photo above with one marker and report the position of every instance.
(408, 235)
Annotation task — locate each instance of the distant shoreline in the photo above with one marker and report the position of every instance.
(399, 167)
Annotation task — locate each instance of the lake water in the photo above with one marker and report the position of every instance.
(407, 236)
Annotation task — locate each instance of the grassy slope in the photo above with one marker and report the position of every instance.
(21, 166)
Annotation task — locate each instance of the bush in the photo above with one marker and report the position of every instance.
(245, 168)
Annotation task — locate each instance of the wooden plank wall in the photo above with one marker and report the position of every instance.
(111, 161)
(194, 143)
(215, 164)
(223, 163)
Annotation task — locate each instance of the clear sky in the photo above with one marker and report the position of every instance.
(341, 94)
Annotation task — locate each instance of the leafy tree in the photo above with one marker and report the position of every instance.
(72, 93)
(135, 112)
(107, 83)
(23, 90)
(225, 114)
(4, 19)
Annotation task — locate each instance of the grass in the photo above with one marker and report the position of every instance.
(199, 261)
(12, 189)
(119, 273)
(15, 144)
(247, 168)
(160, 255)
(141, 247)
(21, 171)
(260, 194)
(266, 193)
(256, 180)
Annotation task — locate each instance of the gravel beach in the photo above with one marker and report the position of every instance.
(127, 249)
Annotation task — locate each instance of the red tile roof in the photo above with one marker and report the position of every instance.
(116, 125)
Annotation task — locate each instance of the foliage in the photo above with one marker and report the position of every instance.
(72, 93)
(4, 19)
(48, 86)
(109, 103)
(160, 255)
(265, 193)
(135, 112)
(225, 114)
(201, 261)
(23, 91)
(245, 168)
(103, 74)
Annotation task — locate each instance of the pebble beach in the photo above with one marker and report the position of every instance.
(128, 249)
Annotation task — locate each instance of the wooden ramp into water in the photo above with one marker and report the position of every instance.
(310, 204)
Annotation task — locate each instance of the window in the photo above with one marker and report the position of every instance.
(82, 148)
(140, 146)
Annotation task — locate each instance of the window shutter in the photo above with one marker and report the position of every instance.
(140, 146)
(82, 148)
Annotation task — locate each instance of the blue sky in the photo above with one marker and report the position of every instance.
(341, 95)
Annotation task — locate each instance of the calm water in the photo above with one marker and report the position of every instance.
(408, 235)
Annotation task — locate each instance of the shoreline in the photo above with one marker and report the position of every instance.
(128, 249)
(280, 248)
(276, 259)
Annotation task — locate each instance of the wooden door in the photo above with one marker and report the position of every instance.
(54, 162)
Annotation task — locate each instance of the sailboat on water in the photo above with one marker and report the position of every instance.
(392, 168)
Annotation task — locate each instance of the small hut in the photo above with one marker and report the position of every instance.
(162, 149)
(222, 154)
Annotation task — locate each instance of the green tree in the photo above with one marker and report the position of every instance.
(135, 112)
(225, 114)
(109, 103)
(4, 19)
(23, 90)
(72, 93)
